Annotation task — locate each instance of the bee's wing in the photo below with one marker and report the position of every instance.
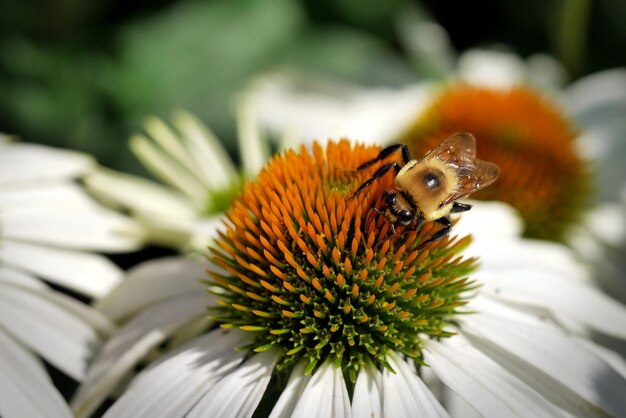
(483, 175)
(459, 151)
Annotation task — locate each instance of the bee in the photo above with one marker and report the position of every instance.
(427, 189)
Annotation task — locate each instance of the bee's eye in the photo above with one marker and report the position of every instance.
(389, 198)
(404, 216)
(431, 181)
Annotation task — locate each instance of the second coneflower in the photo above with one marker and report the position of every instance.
(528, 137)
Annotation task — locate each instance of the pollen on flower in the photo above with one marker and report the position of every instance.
(528, 137)
(317, 275)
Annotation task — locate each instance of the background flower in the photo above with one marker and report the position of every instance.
(201, 180)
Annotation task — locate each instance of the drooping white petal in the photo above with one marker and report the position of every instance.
(94, 318)
(325, 395)
(212, 162)
(138, 194)
(29, 163)
(291, 393)
(172, 386)
(367, 401)
(558, 294)
(25, 388)
(20, 278)
(154, 281)
(543, 356)
(99, 230)
(405, 394)
(483, 384)
(168, 170)
(456, 406)
(46, 196)
(64, 340)
(90, 274)
(615, 360)
(238, 393)
(131, 343)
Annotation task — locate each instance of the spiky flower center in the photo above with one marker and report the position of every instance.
(316, 274)
(528, 137)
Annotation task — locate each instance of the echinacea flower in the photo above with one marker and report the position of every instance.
(200, 178)
(49, 229)
(323, 311)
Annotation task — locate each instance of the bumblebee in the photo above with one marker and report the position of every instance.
(427, 189)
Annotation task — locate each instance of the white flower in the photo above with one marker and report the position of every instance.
(48, 228)
(517, 354)
(200, 178)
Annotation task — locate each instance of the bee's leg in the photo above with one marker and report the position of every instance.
(406, 155)
(460, 207)
(378, 174)
(447, 225)
(419, 223)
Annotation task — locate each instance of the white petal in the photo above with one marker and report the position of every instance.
(97, 320)
(536, 255)
(29, 163)
(170, 142)
(405, 394)
(325, 395)
(138, 194)
(291, 393)
(211, 159)
(253, 148)
(99, 230)
(558, 294)
(126, 348)
(25, 388)
(46, 196)
(90, 274)
(489, 221)
(367, 401)
(322, 109)
(604, 88)
(152, 282)
(615, 360)
(168, 170)
(173, 385)
(457, 406)
(553, 363)
(483, 384)
(20, 278)
(494, 69)
(64, 340)
(204, 232)
(238, 393)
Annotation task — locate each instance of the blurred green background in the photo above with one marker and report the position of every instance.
(84, 74)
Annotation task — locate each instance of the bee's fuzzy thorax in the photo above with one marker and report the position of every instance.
(411, 181)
